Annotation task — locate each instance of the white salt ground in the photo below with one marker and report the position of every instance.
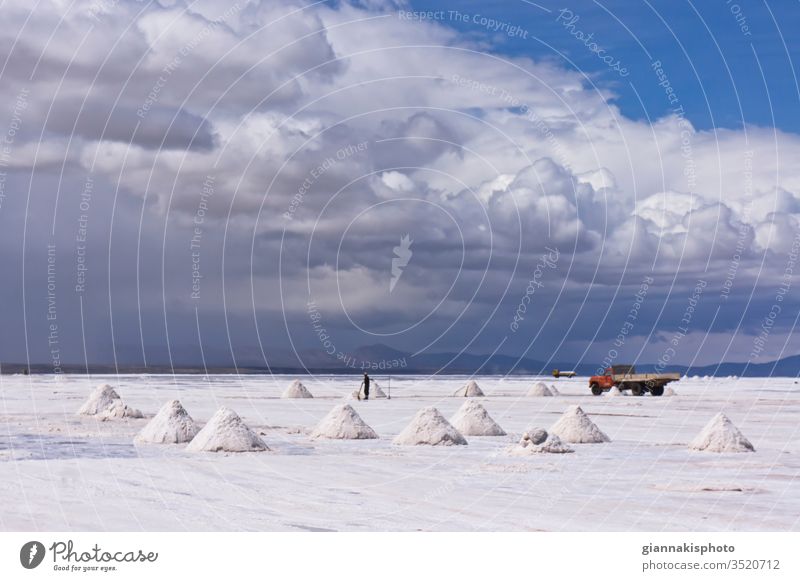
(539, 390)
(226, 432)
(470, 389)
(296, 390)
(343, 423)
(720, 435)
(171, 425)
(431, 428)
(163, 488)
(472, 419)
(575, 427)
(100, 399)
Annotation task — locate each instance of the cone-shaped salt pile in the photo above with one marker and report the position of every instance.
(669, 392)
(470, 389)
(429, 427)
(539, 442)
(100, 399)
(343, 423)
(539, 390)
(575, 427)
(375, 392)
(553, 389)
(296, 390)
(614, 392)
(720, 435)
(117, 409)
(226, 432)
(472, 419)
(171, 425)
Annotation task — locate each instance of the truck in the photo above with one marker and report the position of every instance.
(625, 377)
(559, 373)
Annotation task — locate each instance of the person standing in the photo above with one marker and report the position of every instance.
(365, 386)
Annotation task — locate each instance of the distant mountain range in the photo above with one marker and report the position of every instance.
(384, 360)
(502, 364)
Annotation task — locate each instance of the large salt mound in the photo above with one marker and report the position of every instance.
(539, 390)
(669, 392)
(296, 390)
(117, 409)
(720, 435)
(429, 427)
(470, 389)
(343, 423)
(226, 432)
(100, 399)
(472, 419)
(575, 427)
(171, 425)
(614, 392)
(539, 442)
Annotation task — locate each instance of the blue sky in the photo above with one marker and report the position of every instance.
(730, 62)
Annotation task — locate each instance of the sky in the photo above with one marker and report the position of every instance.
(285, 182)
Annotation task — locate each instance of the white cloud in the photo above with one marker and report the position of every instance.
(507, 155)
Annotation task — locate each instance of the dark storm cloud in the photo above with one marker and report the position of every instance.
(159, 128)
(282, 143)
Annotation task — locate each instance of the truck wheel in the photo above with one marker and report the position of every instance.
(657, 390)
(596, 389)
(636, 389)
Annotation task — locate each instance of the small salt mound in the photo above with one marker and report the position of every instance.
(575, 427)
(554, 389)
(296, 390)
(614, 392)
(539, 441)
(117, 409)
(171, 425)
(375, 392)
(539, 390)
(470, 389)
(669, 392)
(430, 427)
(472, 419)
(343, 423)
(226, 432)
(720, 435)
(100, 399)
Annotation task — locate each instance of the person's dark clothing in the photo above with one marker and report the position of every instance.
(366, 387)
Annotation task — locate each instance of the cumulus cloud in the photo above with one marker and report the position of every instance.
(330, 131)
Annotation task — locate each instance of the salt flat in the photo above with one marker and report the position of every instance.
(59, 471)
